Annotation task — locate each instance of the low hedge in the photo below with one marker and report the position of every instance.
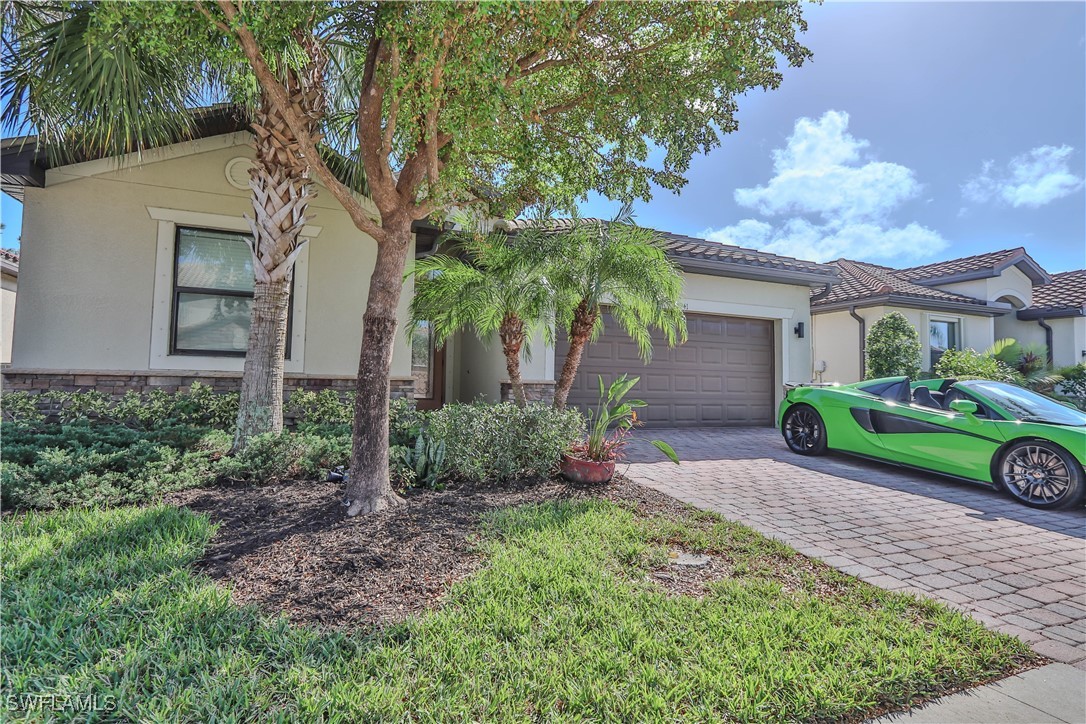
(493, 443)
(121, 454)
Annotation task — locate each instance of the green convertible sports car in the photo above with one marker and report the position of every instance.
(1011, 438)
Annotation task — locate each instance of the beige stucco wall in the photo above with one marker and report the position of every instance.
(8, 286)
(1068, 341)
(89, 258)
(1009, 283)
(837, 341)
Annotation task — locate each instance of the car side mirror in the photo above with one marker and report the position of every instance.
(966, 407)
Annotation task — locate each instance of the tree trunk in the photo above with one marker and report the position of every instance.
(369, 489)
(580, 331)
(261, 405)
(512, 337)
(281, 192)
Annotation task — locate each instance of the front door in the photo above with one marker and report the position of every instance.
(428, 368)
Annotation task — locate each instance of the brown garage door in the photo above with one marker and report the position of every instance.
(723, 375)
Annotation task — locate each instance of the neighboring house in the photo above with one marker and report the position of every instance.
(136, 277)
(967, 302)
(9, 284)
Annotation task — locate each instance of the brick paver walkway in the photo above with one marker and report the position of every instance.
(1015, 569)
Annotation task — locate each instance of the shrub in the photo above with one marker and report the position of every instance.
(324, 412)
(492, 443)
(20, 407)
(893, 348)
(273, 457)
(970, 364)
(102, 464)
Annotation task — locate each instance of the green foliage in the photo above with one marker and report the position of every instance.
(322, 413)
(1073, 382)
(893, 348)
(609, 425)
(527, 100)
(561, 622)
(493, 443)
(1029, 362)
(967, 363)
(199, 406)
(271, 457)
(20, 407)
(623, 266)
(88, 465)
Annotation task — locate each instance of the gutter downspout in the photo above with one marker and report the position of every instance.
(863, 340)
(1048, 339)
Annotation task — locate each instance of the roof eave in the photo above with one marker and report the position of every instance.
(754, 273)
(1055, 313)
(896, 300)
(1023, 261)
(8, 267)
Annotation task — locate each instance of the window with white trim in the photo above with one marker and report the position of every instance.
(212, 294)
(943, 334)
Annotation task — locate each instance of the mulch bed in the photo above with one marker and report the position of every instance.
(289, 548)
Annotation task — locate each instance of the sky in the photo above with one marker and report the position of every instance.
(917, 132)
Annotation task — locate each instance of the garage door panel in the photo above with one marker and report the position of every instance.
(723, 375)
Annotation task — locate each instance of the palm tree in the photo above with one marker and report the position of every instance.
(497, 284)
(86, 92)
(617, 265)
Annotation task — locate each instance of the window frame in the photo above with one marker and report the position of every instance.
(953, 323)
(176, 291)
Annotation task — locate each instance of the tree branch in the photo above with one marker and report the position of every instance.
(275, 91)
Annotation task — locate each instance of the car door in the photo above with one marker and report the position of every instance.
(941, 440)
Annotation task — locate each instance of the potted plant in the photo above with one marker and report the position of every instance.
(592, 460)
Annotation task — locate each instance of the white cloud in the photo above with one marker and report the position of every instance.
(823, 172)
(1032, 179)
(825, 242)
(748, 232)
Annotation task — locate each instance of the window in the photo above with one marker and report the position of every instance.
(942, 335)
(212, 293)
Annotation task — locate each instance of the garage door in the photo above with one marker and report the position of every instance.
(723, 375)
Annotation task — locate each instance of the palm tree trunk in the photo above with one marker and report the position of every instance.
(368, 488)
(261, 409)
(281, 192)
(580, 331)
(511, 334)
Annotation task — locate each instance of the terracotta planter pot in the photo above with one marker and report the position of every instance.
(576, 470)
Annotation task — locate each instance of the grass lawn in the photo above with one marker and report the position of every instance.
(564, 622)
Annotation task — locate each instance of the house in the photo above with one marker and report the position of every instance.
(967, 302)
(9, 284)
(135, 276)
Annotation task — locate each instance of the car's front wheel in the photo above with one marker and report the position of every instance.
(1041, 474)
(804, 432)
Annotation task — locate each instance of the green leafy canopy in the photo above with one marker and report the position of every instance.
(505, 102)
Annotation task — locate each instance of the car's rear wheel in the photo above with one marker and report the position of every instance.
(803, 430)
(1041, 474)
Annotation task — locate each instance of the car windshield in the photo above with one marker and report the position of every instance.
(1027, 406)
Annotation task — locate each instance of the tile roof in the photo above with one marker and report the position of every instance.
(1066, 293)
(860, 280)
(10, 255)
(992, 260)
(688, 247)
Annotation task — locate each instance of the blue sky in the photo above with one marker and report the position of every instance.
(918, 132)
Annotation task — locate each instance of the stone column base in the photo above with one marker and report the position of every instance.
(536, 391)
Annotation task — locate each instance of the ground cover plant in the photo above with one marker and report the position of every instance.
(94, 451)
(570, 616)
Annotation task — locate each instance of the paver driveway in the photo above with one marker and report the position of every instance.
(1016, 569)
